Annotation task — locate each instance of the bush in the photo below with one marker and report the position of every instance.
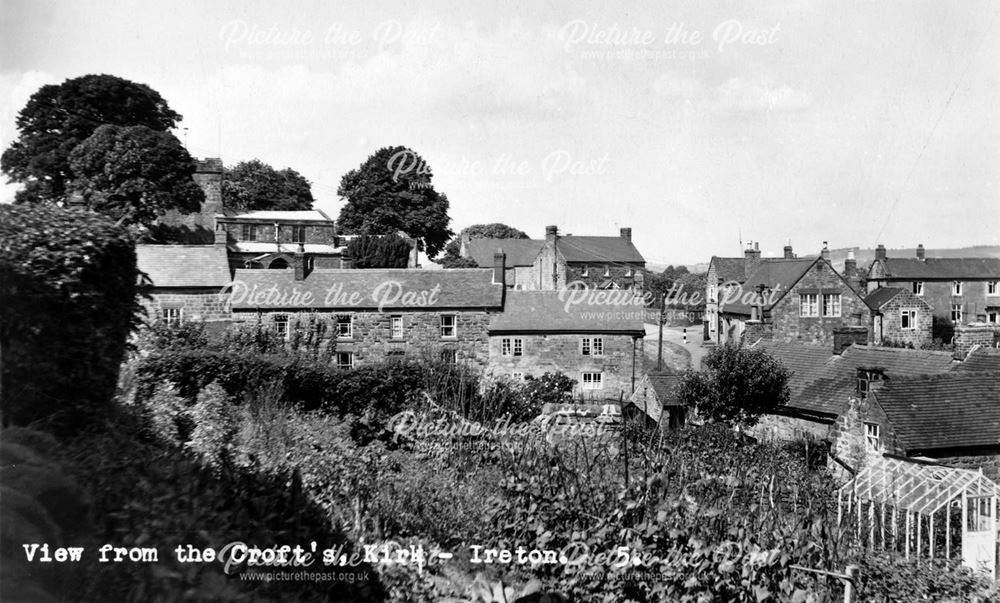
(214, 427)
(68, 292)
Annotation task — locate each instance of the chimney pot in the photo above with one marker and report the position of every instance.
(499, 267)
(626, 233)
(551, 232)
(825, 252)
(221, 237)
(920, 252)
(789, 255)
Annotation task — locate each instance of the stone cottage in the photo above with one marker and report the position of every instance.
(899, 317)
(186, 282)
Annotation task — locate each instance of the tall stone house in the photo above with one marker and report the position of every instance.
(598, 345)
(724, 278)
(561, 261)
(803, 300)
(899, 317)
(959, 290)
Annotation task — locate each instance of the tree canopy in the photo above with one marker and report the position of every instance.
(134, 174)
(57, 118)
(379, 251)
(736, 386)
(392, 192)
(255, 185)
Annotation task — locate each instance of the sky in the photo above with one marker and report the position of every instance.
(697, 124)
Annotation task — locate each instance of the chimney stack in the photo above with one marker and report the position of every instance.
(346, 263)
(751, 256)
(850, 265)
(788, 252)
(825, 252)
(299, 263)
(626, 233)
(499, 267)
(920, 252)
(221, 236)
(880, 252)
(550, 233)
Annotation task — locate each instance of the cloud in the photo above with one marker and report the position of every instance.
(738, 96)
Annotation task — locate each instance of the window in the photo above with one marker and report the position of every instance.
(629, 271)
(918, 287)
(872, 436)
(592, 380)
(585, 271)
(980, 514)
(172, 316)
(517, 376)
(993, 316)
(865, 379)
(448, 327)
(345, 326)
(993, 288)
(345, 360)
(956, 288)
(592, 346)
(281, 325)
(448, 356)
(908, 318)
(831, 304)
(298, 234)
(511, 346)
(809, 304)
(248, 232)
(397, 327)
(607, 270)
(956, 312)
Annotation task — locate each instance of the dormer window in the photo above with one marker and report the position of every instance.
(956, 288)
(865, 379)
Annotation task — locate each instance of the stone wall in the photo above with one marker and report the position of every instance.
(789, 326)
(976, 334)
(848, 434)
(781, 428)
(888, 327)
(199, 303)
(561, 353)
(989, 463)
(372, 341)
(596, 274)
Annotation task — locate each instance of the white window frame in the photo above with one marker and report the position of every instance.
(873, 437)
(956, 313)
(629, 271)
(591, 380)
(172, 315)
(248, 232)
(993, 316)
(911, 315)
(449, 326)
(344, 365)
(607, 270)
(282, 324)
(396, 326)
(517, 376)
(835, 302)
(918, 288)
(518, 346)
(956, 288)
(511, 346)
(809, 305)
(296, 231)
(585, 271)
(592, 346)
(992, 287)
(349, 333)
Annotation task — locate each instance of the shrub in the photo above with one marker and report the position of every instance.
(68, 292)
(214, 426)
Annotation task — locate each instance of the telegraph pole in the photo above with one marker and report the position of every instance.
(659, 344)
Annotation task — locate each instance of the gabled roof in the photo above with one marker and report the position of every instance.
(545, 311)
(310, 215)
(397, 288)
(663, 394)
(881, 296)
(665, 386)
(941, 268)
(952, 410)
(184, 265)
(598, 249)
(981, 359)
(778, 275)
(729, 269)
(821, 383)
(519, 252)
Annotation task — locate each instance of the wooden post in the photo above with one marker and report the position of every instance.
(659, 341)
(840, 510)
(907, 534)
(871, 525)
(930, 535)
(850, 586)
(920, 527)
(881, 527)
(895, 528)
(947, 532)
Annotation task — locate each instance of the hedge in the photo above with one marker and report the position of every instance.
(68, 297)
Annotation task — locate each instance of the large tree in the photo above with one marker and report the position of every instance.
(134, 174)
(736, 386)
(392, 192)
(379, 251)
(255, 185)
(57, 118)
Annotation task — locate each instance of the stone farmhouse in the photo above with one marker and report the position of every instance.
(561, 261)
(959, 290)
(184, 281)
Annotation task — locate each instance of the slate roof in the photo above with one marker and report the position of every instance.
(821, 382)
(775, 274)
(981, 359)
(942, 268)
(598, 249)
(881, 296)
(184, 265)
(310, 215)
(544, 311)
(729, 269)
(470, 288)
(663, 386)
(520, 252)
(952, 410)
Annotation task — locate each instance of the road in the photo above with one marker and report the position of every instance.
(675, 335)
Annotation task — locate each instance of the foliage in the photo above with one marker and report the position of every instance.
(886, 578)
(942, 331)
(59, 117)
(214, 426)
(392, 192)
(494, 230)
(458, 262)
(550, 388)
(134, 174)
(379, 251)
(68, 293)
(254, 185)
(737, 385)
